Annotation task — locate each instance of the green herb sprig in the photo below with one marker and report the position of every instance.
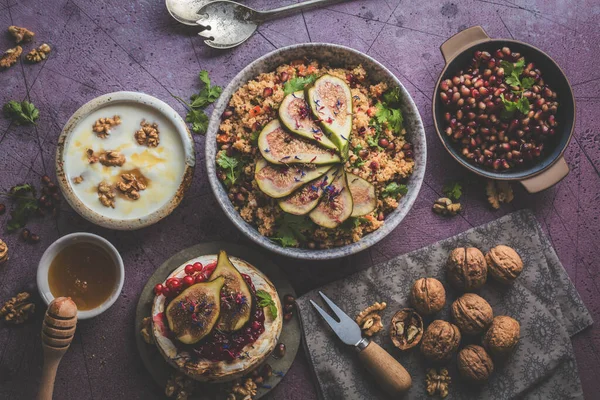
(298, 83)
(512, 73)
(26, 204)
(453, 191)
(393, 189)
(388, 111)
(207, 95)
(290, 230)
(265, 300)
(232, 167)
(23, 113)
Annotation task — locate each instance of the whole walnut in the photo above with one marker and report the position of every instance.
(472, 313)
(466, 269)
(504, 263)
(440, 341)
(428, 295)
(502, 336)
(474, 364)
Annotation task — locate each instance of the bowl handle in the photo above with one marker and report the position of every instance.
(549, 177)
(463, 39)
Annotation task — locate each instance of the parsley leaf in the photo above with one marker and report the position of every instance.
(290, 230)
(232, 167)
(207, 95)
(23, 113)
(298, 83)
(373, 141)
(510, 107)
(265, 300)
(393, 189)
(388, 111)
(26, 204)
(453, 191)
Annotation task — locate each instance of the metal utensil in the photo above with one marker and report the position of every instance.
(228, 24)
(388, 372)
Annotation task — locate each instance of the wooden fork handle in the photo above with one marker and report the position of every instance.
(388, 372)
(51, 360)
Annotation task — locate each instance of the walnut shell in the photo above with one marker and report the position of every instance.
(474, 364)
(406, 329)
(504, 263)
(428, 295)
(440, 341)
(466, 269)
(472, 313)
(502, 336)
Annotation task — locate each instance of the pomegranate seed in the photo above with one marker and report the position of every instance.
(374, 165)
(267, 92)
(284, 77)
(188, 281)
(158, 289)
(189, 269)
(383, 142)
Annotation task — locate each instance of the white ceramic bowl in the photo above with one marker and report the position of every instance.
(80, 237)
(156, 106)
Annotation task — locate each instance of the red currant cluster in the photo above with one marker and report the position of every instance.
(194, 273)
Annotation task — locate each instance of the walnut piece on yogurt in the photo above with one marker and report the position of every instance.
(112, 158)
(103, 126)
(148, 134)
(106, 194)
(131, 186)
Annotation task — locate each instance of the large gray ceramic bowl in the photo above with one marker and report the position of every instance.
(336, 56)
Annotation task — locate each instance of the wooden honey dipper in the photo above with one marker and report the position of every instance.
(58, 330)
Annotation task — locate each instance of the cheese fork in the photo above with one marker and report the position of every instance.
(388, 372)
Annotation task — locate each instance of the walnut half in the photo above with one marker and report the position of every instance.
(10, 57)
(437, 382)
(179, 386)
(20, 34)
(103, 126)
(3, 252)
(39, 54)
(369, 320)
(131, 186)
(406, 329)
(18, 309)
(148, 134)
(106, 194)
(112, 158)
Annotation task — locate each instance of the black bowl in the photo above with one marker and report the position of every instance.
(548, 169)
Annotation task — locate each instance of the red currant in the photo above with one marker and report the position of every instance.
(158, 289)
(188, 281)
(200, 278)
(198, 267)
(255, 325)
(166, 291)
(189, 269)
(174, 283)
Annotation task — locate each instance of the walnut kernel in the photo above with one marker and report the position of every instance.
(103, 126)
(474, 364)
(440, 341)
(502, 336)
(78, 179)
(131, 186)
(18, 309)
(39, 54)
(406, 329)
(437, 383)
(499, 192)
(445, 206)
(428, 295)
(179, 386)
(369, 320)
(3, 252)
(466, 268)
(92, 157)
(10, 57)
(112, 158)
(146, 330)
(148, 134)
(504, 263)
(472, 313)
(106, 194)
(20, 34)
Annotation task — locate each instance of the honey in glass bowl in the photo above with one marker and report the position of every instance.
(84, 272)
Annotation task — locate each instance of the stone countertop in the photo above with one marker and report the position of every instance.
(110, 45)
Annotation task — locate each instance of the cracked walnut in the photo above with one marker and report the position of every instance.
(112, 158)
(20, 34)
(39, 54)
(131, 185)
(18, 309)
(3, 252)
(148, 134)
(179, 386)
(369, 320)
(103, 126)
(10, 57)
(437, 383)
(106, 194)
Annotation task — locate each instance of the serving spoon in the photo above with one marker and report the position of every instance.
(227, 24)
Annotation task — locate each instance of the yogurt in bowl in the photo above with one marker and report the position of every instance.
(124, 160)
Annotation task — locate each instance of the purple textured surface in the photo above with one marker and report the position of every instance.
(103, 46)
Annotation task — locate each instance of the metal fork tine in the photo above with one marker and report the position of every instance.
(332, 322)
(342, 316)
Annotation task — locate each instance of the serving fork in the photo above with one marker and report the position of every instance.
(386, 370)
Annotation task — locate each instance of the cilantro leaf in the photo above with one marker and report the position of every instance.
(23, 113)
(393, 189)
(26, 205)
(298, 83)
(207, 95)
(265, 300)
(510, 107)
(388, 111)
(232, 167)
(523, 105)
(527, 82)
(359, 162)
(392, 97)
(453, 191)
(290, 230)
(373, 141)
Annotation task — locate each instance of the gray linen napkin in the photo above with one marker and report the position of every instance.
(543, 299)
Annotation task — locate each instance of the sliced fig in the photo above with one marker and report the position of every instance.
(295, 115)
(303, 200)
(278, 181)
(336, 204)
(236, 298)
(193, 314)
(363, 195)
(330, 101)
(278, 146)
